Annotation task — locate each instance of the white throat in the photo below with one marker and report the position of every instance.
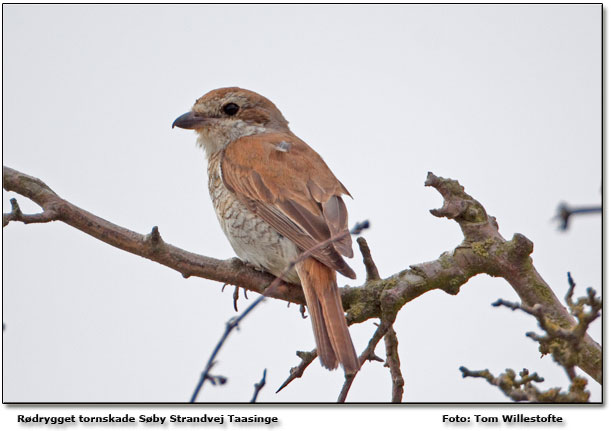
(214, 138)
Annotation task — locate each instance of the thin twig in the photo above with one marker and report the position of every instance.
(229, 326)
(368, 354)
(297, 372)
(370, 266)
(394, 364)
(564, 344)
(356, 230)
(233, 323)
(523, 389)
(258, 387)
(482, 251)
(231, 271)
(518, 389)
(16, 215)
(565, 213)
(568, 298)
(236, 296)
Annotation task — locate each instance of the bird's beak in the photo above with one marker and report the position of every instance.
(191, 120)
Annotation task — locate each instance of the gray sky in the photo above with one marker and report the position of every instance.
(506, 99)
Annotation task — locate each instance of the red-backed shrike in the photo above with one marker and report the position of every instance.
(275, 197)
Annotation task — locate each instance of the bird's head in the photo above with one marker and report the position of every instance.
(226, 114)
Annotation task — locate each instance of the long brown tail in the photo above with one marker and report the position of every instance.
(333, 340)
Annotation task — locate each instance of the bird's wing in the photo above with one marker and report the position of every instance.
(281, 179)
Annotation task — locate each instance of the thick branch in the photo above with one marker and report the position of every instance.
(565, 345)
(483, 251)
(151, 246)
(487, 250)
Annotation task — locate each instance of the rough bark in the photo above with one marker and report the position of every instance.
(483, 251)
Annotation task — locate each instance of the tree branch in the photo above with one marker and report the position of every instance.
(523, 389)
(230, 271)
(258, 387)
(297, 372)
(16, 215)
(233, 323)
(394, 364)
(483, 251)
(566, 213)
(368, 354)
(370, 266)
(565, 345)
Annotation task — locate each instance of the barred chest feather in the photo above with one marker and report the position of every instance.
(252, 238)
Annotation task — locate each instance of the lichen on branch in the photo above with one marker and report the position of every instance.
(482, 251)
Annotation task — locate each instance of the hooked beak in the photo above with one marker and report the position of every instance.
(191, 120)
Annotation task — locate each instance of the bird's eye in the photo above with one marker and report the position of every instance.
(231, 109)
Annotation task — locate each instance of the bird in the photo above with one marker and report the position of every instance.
(275, 197)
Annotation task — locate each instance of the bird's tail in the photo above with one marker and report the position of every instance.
(324, 303)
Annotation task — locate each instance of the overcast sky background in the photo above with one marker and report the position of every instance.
(503, 98)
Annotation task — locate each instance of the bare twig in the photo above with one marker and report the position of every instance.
(356, 230)
(230, 271)
(229, 326)
(565, 345)
(394, 364)
(216, 379)
(568, 298)
(523, 389)
(553, 333)
(483, 251)
(233, 323)
(236, 296)
(508, 259)
(297, 372)
(565, 213)
(370, 266)
(368, 354)
(16, 215)
(258, 387)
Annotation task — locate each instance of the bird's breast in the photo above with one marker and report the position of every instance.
(252, 238)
